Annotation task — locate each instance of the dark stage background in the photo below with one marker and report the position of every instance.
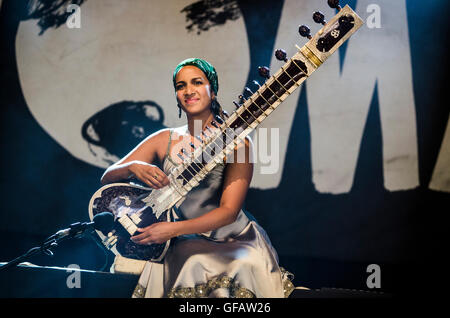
(327, 238)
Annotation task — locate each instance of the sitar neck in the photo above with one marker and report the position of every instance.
(223, 140)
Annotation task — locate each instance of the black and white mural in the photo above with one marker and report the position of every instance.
(357, 170)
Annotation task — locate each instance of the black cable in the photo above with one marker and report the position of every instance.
(103, 248)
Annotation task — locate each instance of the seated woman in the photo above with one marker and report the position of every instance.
(217, 249)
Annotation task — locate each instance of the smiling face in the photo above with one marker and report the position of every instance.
(193, 91)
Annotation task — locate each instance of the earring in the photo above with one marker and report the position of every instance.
(179, 110)
(215, 106)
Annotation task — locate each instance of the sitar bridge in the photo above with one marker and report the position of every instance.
(128, 224)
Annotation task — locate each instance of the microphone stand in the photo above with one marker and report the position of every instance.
(75, 230)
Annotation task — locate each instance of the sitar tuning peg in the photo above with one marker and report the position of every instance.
(185, 152)
(218, 119)
(242, 97)
(280, 54)
(318, 17)
(236, 104)
(256, 83)
(334, 4)
(264, 71)
(305, 31)
(180, 156)
(248, 90)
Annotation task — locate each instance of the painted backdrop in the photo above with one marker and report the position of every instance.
(358, 169)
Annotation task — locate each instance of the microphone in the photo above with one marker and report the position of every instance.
(103, 222)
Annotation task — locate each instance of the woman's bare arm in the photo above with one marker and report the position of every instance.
(238, 176)
(236, 183)
(138, 162)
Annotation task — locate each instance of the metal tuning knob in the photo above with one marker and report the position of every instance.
(236, 104)
(334, 4)
(218, 119)
(180, 155)
(256, 83)
(213, 123)
(248, 90)
(318, 17)
(264, 71)
(305, 31)
(185, 152)
(242, 97)
(280, 54)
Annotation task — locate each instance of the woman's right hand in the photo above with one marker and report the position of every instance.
(149, 174)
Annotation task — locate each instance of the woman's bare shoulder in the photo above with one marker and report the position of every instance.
(158, 136)
(179, 131)
(163, 134)
(155, 141)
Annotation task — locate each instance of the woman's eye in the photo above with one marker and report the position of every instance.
(178, 87)
(198, 83)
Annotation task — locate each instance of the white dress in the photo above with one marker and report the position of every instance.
(237, 260)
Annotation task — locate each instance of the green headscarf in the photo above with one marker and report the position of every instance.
(205, 66)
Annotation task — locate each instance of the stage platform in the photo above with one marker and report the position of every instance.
(32, 281)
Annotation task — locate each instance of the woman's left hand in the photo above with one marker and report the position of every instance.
(157, 233)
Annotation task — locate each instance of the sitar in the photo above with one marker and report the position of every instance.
(137, 206)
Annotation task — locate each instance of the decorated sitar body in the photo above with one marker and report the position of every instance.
(135, 206)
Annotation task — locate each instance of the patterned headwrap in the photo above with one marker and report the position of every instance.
(205, 66)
